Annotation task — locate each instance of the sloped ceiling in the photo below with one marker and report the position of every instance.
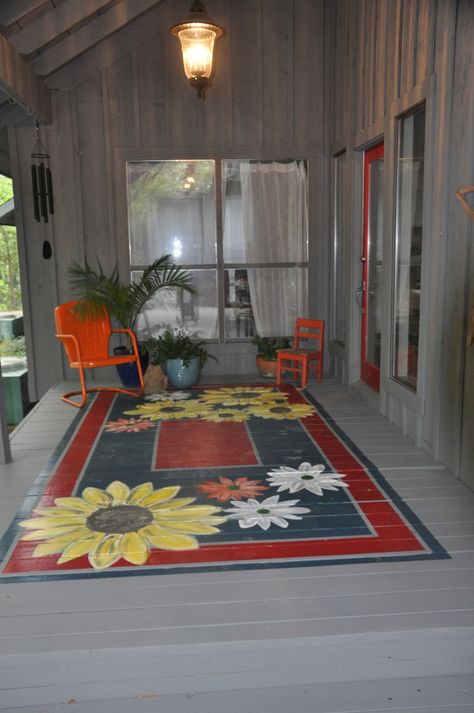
(43, 36)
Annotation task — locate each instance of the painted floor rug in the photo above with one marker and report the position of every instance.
(216, 478)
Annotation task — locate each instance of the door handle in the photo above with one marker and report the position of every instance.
(358, 296)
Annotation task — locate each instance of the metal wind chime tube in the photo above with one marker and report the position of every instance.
(43, 201)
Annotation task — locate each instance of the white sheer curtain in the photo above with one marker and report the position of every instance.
(275, 220)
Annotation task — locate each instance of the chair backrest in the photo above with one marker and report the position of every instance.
(92, 332)
(311, 330)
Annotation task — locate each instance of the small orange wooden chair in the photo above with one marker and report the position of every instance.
(300, 359)
(86, 343)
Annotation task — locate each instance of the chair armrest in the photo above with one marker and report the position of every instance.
(73, 339)
(132, 336)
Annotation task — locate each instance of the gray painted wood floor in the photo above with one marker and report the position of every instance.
(389, 636)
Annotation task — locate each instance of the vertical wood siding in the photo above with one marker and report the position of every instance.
(388, 49)
(381, 50)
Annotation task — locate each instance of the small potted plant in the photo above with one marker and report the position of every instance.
(267, 348)
(179, 355)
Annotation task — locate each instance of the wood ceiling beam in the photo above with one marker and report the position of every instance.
(19, 82)
(55, 22)
(92, 33)
(12, 10)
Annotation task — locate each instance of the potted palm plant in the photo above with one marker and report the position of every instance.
(267, 348)
(181, 357)
(124, 301)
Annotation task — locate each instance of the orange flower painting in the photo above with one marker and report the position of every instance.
(227, 489)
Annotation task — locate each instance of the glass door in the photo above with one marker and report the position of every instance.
(372, 266)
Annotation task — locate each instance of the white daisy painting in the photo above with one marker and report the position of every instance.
(305, 477)
(263, 514)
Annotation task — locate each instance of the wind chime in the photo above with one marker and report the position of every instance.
(43, 203)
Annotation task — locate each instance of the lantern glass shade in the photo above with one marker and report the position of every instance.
(197, 34)
(197, 46)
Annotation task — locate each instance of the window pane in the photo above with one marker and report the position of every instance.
(408, 247)
(340, 249)
(264, 301)
(171, 209)
(171, 308)
(265, 211)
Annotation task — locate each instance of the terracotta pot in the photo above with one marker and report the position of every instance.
(267, 368)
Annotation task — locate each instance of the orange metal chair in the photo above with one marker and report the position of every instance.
(299, 360)
(86, 343)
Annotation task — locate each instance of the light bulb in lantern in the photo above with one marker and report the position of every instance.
(197, 35)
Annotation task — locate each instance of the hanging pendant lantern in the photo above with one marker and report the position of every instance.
(43, 203)
(197, 34)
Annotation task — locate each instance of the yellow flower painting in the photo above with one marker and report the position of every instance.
(282, 412)
(169, 410)
(120, 522)
(232, 403)
(241, 395)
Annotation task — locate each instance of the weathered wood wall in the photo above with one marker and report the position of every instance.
(127, 97)
(392, 54)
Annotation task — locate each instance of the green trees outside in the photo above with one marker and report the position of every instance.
(10, 291)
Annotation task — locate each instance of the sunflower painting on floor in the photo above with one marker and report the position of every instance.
(241, 396)
(169, 410)
(224, 404)
(120, 522)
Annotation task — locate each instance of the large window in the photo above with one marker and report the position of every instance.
(249, 263)
(408, 247)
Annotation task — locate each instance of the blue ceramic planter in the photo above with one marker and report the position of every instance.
(181, 376)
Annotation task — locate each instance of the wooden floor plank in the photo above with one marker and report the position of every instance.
(451, 694)
(245, 666)
(111, 596)
(247, 631)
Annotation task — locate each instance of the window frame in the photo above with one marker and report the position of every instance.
(393, 394)
(420, 106)
(220, 266)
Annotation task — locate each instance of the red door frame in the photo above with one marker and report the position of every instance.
(370, 373)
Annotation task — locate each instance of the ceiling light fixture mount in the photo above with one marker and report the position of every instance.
(197, 34)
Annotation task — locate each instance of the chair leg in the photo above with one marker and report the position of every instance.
(304, 374)
(140, 377)
(279, 365)
(82, 392)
